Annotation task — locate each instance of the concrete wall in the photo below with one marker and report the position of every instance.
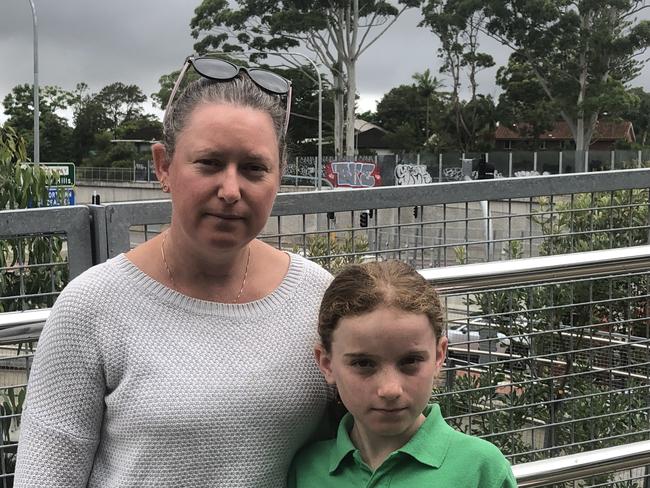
(110, 192)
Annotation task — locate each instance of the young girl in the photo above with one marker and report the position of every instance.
(382, 345)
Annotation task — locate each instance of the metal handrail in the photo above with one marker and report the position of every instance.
(590, 264)
(473, 277)
(22, 326)
(27, 325)
(582, 465)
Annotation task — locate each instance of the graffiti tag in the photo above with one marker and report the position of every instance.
(357, 174)
(412, 174)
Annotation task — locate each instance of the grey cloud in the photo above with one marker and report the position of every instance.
(136, 41)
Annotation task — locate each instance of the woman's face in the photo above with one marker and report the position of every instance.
(224, 175)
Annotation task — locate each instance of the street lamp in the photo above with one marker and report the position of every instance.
(37, 156)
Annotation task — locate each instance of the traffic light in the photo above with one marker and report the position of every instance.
(363, 218)
(415, 212)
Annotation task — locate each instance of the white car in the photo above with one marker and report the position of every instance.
(465, 336)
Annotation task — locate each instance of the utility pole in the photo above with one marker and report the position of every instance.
(37, 154)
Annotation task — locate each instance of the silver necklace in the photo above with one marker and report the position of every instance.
(171, 276)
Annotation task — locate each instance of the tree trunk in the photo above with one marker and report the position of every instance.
(339, 91)
(350, 108)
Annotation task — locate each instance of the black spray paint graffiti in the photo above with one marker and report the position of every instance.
(411, 174)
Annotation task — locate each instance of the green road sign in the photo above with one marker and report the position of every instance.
(66, 172)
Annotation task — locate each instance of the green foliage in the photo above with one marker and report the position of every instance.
(120, 103)
(11, 410)
(523, 100)
(639, 114)
(30, 267)
(411, 113)
(581, 54)
(21, 184)
(333, 252)
(336, 32)
(457, 24)
(562, 396)
(144, 127)
(55, 133)
(589, 222)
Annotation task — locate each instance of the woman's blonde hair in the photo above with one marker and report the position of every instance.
(240, 91)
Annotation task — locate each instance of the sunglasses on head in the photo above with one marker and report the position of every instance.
(220, 70)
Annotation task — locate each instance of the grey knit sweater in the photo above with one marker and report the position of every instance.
(136, 385)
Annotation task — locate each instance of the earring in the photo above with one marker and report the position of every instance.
(165, 188)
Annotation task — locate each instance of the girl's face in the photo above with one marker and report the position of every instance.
(383, 364)
(224, 175)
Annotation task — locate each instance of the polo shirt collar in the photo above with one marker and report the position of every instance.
(428, 446)
(343, 445)
(431, 442)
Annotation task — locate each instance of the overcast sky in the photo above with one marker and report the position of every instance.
(136, 41)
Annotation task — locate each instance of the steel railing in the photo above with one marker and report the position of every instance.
(584, 465)
(538, 351)
(596, 265)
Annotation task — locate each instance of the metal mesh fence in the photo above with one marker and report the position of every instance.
(551, 369)
(33, 271)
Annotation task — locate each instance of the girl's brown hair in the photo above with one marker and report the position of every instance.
(362, 288)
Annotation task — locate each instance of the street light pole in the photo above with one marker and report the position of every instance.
(37, 155)
(319, 161)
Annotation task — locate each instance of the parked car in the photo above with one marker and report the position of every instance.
(463, 337)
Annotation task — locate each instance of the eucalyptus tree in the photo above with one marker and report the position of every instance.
(337, 32)
(457, 24)
(523, 101)
(582, 52)
(120, 102)
(55, 132)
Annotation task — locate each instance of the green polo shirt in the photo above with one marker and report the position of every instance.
(436, 455)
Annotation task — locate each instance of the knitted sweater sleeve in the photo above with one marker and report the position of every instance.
(65, 399)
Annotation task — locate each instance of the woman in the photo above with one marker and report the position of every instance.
(187, 361)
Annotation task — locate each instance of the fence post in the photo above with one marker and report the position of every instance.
(510, 164)
(439, 167)
(560, 165)
(535, 161)
(639, 156)
(586, 165)
(612, 160)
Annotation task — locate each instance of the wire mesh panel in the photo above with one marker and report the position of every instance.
(628, 478)
(541, 369)
(546, 370)
(33, 271)
(40, 250)
(463, 230)
(15, 361)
